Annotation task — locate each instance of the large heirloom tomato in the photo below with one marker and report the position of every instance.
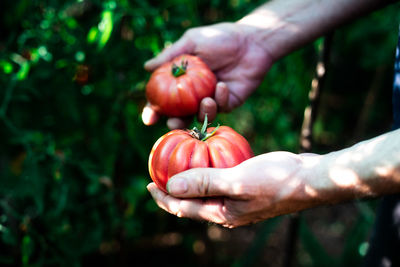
(177, 87)
(180, 150)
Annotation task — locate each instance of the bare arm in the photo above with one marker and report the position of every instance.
(368, 169)
(281, 26)
(241, 53)
(279, 183)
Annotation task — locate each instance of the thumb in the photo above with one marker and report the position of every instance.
(149, 115)
(182, 46)
(200, 182)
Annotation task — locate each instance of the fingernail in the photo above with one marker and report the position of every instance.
(149, 116)
(177, 186)
(149, 187)
(152, 192)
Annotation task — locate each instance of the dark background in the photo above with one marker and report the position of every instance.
(73, 149)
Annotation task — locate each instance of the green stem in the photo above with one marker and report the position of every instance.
(205, 124)
(208, 135)
(202, 134)
(179, 70)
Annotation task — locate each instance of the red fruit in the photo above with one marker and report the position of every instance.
(180, 150)
(177, 87)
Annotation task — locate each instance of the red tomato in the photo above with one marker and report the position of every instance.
(176, 88)
(180, 150)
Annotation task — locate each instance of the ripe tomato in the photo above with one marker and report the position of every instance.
(176, 88)
(180, 150)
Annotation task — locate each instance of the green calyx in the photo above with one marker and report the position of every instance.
(202, 134)
(179, 70)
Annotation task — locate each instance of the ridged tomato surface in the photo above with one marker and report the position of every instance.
(179, 150)
(180, 96)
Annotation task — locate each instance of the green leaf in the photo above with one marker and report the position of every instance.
(6, 66)
(92, 35)
(105, 28)
(26, 249)
(23, 71)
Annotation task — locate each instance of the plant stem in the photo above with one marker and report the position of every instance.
(306, 137)
(179, 70)
(7, 97)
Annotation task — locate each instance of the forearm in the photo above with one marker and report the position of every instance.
(281, 26)
(367, 169)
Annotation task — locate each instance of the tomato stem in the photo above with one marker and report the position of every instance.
(205, 124)
(208, 135)
(179, 70)
(202, 134)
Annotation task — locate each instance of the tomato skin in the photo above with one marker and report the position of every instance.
(180, 96)
(178, 151)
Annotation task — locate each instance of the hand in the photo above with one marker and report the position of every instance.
(239, 64)
(279, 183)
(259, 188)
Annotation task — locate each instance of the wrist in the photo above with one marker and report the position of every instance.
(269, 33)
(367, 169)
(281, 27)
(333, 178)
(316, 176)
(316, 189)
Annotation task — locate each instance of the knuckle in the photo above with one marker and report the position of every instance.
(204, 185)
(189, 33)
(180, 210)
(228, 218)
(179, 214)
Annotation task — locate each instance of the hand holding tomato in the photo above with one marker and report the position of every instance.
(238, 63)
(259, 188)
(180, 150)
(177, 87)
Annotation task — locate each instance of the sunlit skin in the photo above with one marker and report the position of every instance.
(177, 87)
(179, 150)
(239, 66)
(279, 183)
(275, 183)
(241, 53)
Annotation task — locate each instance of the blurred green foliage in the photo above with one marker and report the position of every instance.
(73, 150)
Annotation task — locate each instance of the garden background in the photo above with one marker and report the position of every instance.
(73, 149)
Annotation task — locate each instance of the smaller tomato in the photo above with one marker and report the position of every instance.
(177, 87)
(180, 150)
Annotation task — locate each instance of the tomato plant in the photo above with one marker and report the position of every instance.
(180, 150)
(176, 88)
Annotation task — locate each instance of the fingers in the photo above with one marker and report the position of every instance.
(225, 98)
(222, 95)
(211, 106)
(207, 106)
(175, 123)
(182, 46)
(201, 182)
(212, 210)
(149, 116)
(178, 123)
